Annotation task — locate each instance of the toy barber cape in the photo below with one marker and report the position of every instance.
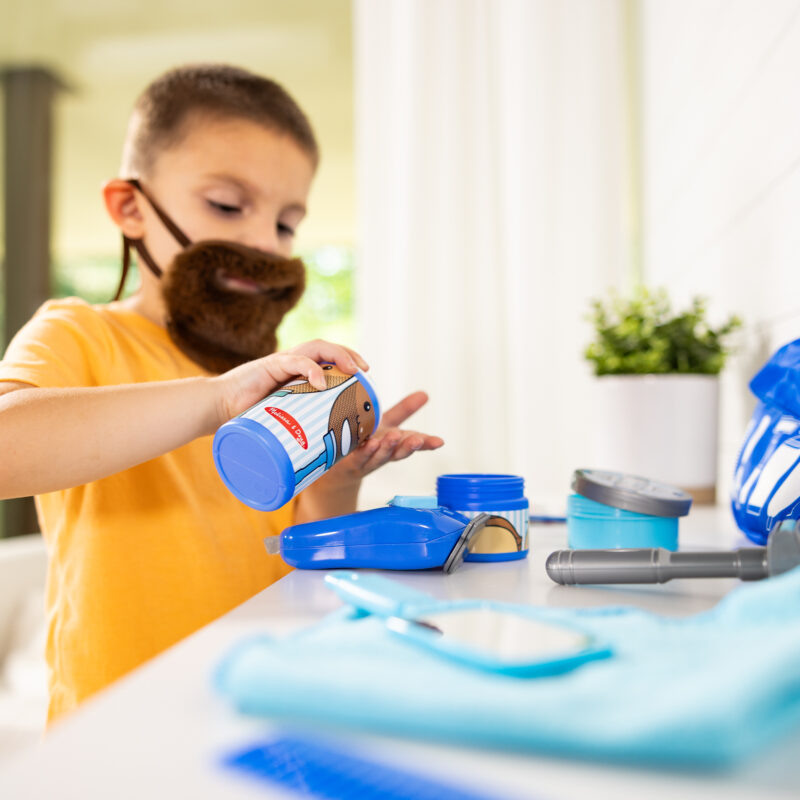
(766, 488)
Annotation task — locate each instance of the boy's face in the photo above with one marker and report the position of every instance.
(228, 179)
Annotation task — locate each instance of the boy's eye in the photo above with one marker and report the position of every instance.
(285, 230)
(224, 208)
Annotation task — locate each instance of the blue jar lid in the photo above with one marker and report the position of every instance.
(461, 490)
(253, 464)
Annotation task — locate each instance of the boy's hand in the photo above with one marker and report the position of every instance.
(242, 387)
(336, 492)
(389, 442)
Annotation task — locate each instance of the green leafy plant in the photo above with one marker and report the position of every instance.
(642, 335)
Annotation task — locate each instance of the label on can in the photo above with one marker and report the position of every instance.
(290, 423)
(317, 427)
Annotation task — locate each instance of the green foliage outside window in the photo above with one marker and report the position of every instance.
(643, 335)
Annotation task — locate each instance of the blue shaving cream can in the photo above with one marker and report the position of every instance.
(505, 537)
(283, 443)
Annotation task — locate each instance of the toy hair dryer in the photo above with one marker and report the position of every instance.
(391, 537)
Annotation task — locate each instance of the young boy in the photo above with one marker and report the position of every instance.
(107, 412)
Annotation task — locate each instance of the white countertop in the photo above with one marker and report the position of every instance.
(161, 731)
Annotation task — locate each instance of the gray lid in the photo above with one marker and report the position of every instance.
(631, 493)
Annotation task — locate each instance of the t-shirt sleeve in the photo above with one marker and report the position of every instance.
(60, 346)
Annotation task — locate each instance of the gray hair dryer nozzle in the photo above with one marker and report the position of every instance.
(657, 565)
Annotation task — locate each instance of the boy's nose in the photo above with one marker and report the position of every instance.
(265, 241)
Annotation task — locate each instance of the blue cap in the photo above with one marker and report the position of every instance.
(475, 490)
(253, 464)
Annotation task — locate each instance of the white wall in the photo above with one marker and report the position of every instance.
(721, 171)
(492, 179)
(108, 52)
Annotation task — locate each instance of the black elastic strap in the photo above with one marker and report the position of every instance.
(126, 262)
(179, 235)
(138, 244)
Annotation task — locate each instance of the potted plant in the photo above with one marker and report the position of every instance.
(658, 388)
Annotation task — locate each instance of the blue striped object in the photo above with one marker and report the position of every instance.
(766, 486)
(280, 445)
(311, 768)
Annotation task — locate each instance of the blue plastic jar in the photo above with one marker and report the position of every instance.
(502, 496)
(274, 449)
(597, 526)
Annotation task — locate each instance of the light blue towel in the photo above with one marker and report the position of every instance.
(708, 690)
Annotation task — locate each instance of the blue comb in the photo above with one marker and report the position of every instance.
(311, 768)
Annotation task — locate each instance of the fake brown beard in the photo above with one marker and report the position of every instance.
(219, 328)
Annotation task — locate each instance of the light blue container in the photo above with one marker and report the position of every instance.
(596, 526)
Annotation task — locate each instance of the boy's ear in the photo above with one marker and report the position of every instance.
(122, 206)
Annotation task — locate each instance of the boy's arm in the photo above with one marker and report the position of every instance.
(58, 438)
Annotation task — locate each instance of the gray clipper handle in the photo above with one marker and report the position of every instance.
(654, 565)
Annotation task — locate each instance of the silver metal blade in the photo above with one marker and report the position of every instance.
(273, 545)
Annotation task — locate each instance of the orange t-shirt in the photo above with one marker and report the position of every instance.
(145, 557)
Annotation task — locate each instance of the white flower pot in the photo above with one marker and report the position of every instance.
(662, 427)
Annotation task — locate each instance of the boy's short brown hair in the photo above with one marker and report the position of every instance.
(217, 90)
